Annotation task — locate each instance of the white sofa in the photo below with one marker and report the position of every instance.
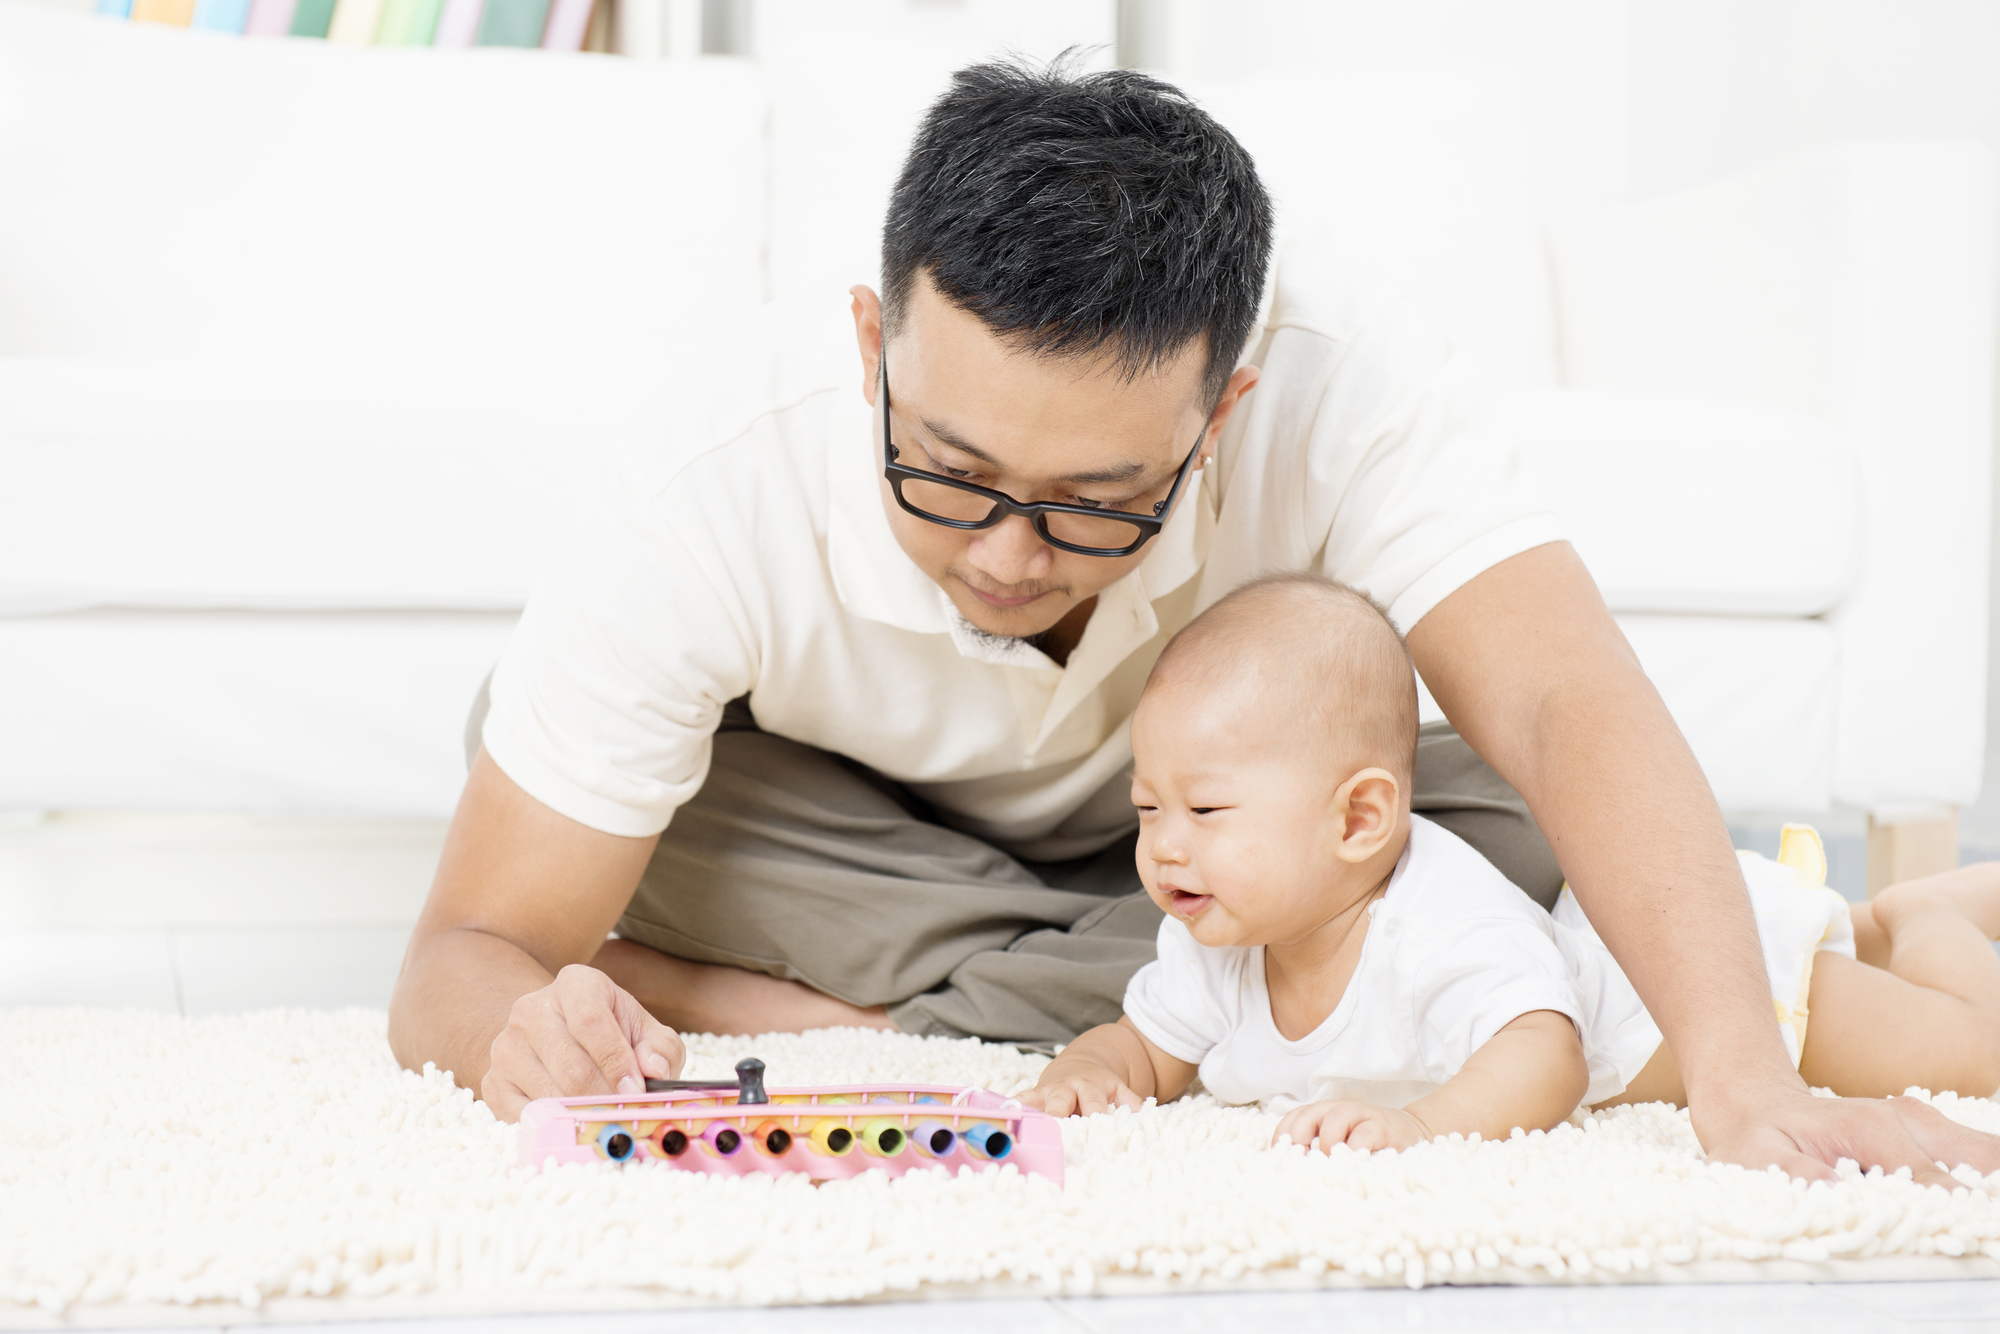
(299, 344)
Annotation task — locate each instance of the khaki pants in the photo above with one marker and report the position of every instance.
(805, 865)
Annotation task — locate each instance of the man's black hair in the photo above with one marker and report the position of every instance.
(1078, 212)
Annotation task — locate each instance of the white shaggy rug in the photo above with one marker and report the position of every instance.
(153, 1168)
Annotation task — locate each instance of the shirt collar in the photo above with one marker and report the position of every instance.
(1182, 545)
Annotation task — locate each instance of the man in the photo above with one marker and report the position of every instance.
(831, 720)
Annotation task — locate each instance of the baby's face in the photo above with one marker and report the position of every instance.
(1238, 826)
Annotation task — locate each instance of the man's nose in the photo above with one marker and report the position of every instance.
(1011, 551)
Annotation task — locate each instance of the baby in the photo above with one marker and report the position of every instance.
(1326, 947)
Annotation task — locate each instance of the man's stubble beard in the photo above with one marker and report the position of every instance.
(1016, 590)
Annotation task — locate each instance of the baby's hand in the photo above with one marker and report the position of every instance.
(1358, 1125)
(1078, 1086)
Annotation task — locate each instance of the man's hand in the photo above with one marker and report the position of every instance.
(1801, 1135)
(1358, 1125)
(580, 1034)
(1079, 1086)
(521, 893)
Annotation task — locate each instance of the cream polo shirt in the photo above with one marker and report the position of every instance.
(758, 561)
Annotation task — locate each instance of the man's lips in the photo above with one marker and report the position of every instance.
(996, 600)
(1186, 904)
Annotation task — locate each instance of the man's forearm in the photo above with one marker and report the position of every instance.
(1537, 677)
(453, 997)
(1644, 846)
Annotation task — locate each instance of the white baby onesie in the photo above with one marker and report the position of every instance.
(1454, 953)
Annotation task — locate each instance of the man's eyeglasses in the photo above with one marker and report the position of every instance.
(1083, 529)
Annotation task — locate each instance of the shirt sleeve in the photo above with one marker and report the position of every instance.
(1178, 1000)
(606, 700)
(1413, 478)
(1479, 975)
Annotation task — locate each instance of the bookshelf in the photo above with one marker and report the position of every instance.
(643, 29)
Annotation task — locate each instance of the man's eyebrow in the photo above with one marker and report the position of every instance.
(1117, 472)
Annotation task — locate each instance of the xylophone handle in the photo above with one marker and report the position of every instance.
(750, 1081)
(749, 1085)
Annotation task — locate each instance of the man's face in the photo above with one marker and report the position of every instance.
(966, 404)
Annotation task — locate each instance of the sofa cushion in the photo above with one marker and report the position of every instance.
(1755, 699)
(1698, 506)
(356, 714)
(156, 485)
(1753, 695)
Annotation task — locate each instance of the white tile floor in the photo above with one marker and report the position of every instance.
(1844, 1308)
(205, 916)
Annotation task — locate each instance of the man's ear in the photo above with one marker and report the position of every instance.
(1368, 806)
(1240, 384)
(867, 310)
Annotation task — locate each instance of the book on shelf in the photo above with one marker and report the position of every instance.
(552, 25)
(597, 34)
(421, 22)
(311, 18)
(354, 22)
(569, 20)
(178, 13)
(221, 15)
(393, 28)
(511, 22)
(269, 18)
(458, 23)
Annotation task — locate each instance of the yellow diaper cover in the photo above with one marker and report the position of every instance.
(1797, 917)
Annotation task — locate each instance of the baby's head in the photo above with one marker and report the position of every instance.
(1273, 747)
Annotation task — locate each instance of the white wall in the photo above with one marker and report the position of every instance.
(1567, 55)
(1630, 98)
(883, 62)
(1721, 84)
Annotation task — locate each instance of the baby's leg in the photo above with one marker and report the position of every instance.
(1973, 890)
(1922, 1007)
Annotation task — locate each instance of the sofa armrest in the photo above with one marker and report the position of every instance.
(1855, 284)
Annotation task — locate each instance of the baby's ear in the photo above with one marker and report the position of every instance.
(1370, 808)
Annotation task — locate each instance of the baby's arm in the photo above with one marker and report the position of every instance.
(1530, 1074)
(1112, 1065)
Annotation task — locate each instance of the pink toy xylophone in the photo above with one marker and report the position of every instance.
(826, 1133)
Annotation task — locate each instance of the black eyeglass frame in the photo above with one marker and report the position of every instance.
(1036, 511)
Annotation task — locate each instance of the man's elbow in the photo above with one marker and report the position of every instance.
(405, 1023)
(412, 1014)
